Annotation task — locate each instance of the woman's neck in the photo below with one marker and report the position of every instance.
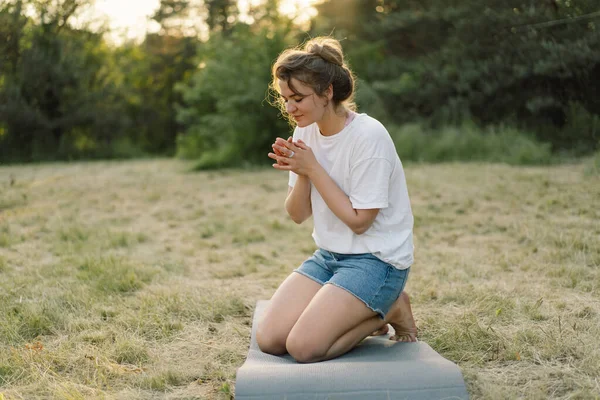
(333, 122)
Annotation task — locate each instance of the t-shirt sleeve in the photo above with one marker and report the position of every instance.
(369, 183)
(292, 179)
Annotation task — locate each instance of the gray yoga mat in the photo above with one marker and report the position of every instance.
(377, 369)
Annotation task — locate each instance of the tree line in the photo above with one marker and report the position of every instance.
(66, 93)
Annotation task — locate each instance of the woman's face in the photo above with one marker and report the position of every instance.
(303, 105)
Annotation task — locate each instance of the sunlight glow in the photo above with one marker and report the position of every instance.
(130, 18)
(301, 10)
(297, 7)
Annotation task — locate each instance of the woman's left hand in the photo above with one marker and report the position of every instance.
(296, 157)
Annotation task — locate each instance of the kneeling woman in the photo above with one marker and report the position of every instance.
(345, 172)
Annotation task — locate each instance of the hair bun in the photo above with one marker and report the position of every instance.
(328, 49)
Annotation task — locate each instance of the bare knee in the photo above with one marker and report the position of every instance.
(269, 341)
(303, 350)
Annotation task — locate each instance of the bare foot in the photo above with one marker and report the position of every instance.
(401, 318)
(381, 331)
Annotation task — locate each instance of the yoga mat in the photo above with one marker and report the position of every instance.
(377, 369)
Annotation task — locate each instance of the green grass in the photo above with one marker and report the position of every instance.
(114, 275)
(593, 166)
(137, 279)
(128, 351)
(164, 380)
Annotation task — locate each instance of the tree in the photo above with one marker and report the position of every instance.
(528, 63)
(163, 59)
(55, 96)
(225, 110)
(222, 15)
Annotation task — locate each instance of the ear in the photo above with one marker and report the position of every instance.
(329, 92)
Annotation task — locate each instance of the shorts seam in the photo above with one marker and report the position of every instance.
(383, 283)
(320, 282)
(378, 311)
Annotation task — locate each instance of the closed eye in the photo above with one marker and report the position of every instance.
(297, 99)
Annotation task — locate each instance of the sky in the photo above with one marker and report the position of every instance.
(130, 17)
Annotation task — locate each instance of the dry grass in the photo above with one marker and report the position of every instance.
(137, 280)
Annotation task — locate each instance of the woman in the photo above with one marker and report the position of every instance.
(345, 172)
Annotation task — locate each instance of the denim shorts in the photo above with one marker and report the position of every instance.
(370, 279)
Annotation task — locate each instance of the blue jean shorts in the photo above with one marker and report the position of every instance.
(370, 279)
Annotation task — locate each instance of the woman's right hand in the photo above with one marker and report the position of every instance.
(280, 151)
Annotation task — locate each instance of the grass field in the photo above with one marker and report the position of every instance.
(137, 280)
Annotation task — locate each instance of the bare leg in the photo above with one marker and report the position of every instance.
(333, 323)
(353, 337)
(284, 309)
(381, 331)
(401, 318)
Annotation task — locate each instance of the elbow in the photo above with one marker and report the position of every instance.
(362, 220)
(296, 216)
(297, 219)
(360, 228)
(359, 231)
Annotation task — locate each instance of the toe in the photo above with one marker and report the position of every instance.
(404, 337)
(381, 331)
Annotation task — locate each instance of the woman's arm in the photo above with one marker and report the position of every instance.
(339, 203)
(305, 165)
(297, 203)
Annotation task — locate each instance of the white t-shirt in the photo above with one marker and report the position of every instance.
(362, 160)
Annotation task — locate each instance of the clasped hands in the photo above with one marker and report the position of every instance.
(293, 156)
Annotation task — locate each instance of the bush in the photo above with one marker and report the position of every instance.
(468, 143)
(580, 132)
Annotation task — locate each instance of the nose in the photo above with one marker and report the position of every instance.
(289, 107)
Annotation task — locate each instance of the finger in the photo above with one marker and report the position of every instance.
(285, 144)
(283, 151)
(282, 167)
(279, 159)
(300, 144)
(290, 150)
(284, 160)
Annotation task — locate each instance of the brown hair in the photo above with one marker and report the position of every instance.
(318, 64)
